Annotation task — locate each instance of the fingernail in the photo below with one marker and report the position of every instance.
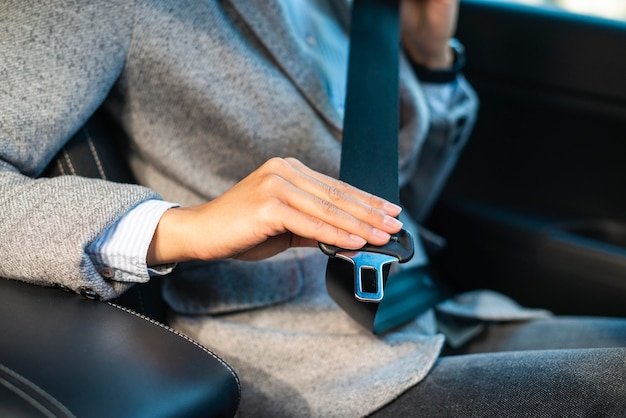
(381, 234)
(358, 241)
(392, 207)
(392, 222)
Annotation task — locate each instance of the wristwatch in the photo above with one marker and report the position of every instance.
(445, 75)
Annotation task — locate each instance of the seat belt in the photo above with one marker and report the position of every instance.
(359, 281)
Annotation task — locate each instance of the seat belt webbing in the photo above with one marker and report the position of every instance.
(369, 161)
(369, 156)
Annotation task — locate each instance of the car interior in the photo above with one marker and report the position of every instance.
(535, 209)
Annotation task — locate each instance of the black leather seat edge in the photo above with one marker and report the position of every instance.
(64, 355)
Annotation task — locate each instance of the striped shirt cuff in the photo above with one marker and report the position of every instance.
(120, 252)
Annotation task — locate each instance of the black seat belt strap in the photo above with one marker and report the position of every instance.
(372, 100)
(359, 281)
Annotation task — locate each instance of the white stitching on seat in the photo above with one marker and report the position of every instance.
(33, 402)
(60, 166)
(69, 162)
(183, 336)
(95, 154)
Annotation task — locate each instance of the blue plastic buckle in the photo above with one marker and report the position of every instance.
(372, 259)
(366, 262)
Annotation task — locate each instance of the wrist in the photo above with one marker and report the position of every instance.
(441, 59)
(170, 240)
(438, 71)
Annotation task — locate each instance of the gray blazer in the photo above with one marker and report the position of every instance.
(207, 91)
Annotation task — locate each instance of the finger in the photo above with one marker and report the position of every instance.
(307, 227)
(337, 191)
(320, 214)
(339, 196)
(374, 232)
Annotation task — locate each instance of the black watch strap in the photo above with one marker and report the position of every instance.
(443, 76)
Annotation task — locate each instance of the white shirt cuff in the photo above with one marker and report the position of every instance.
(119, 253)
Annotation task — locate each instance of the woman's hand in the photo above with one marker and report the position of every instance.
(427, 25)
(280, 205)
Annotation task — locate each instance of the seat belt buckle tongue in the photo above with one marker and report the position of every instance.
(369, 262)
(368, 273)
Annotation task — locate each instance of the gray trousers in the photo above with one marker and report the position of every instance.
(560, 367)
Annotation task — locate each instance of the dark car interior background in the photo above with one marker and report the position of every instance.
(536, 206)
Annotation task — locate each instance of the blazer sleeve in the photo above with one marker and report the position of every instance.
(446, 134)
(58, 61)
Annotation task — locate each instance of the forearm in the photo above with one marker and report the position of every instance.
(426, 28)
